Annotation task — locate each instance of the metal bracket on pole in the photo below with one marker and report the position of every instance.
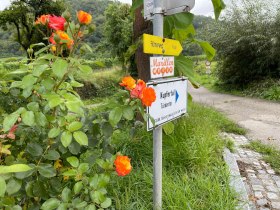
(158, 10)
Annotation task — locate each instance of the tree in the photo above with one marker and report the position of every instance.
(179, 27)
(118, 29)
(246, 42)
(22, 14)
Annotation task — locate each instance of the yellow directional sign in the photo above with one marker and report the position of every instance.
(161, 46)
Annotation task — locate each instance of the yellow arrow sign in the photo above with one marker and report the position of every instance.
(161, 46)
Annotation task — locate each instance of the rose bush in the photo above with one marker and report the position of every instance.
(53, 155)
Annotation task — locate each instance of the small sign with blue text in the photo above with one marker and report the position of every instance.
(171, 101)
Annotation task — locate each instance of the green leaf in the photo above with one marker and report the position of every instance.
(74, 161)
(50, 204)
(9, 121)
(115, 116)
(74, 148)
(63, 206)
(78, 187)
(48, 83)
(28, 81)
(81, 138)
(218, 5)
(74, 126)
(207, 48)
(33, 106)
(81, 205)
(2, 187)
(66, 138)
(184, 66)
(180, 21)
(60, 67)
(55, 100)
(46, 170)
(83, 167)
(27, 92)
(24, 175)
(93, 181)
(75, 106)
(16, 84)
(128, 113)
(182, 35)
(71, 172)
(39, 69)
(28, 118)
(14, 168)
(107, 130)
(40, 119)
(90, 207)
(66, 194)
(52, 155)
(107, 203)
(54, 132)
(29, 188)
(97, 197)
(168, 128)
(13, 186)
(76, 84)
(34, 149)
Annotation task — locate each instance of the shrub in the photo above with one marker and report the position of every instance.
(54, 155)
(246, 42)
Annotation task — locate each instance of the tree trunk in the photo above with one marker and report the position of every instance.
(142, 60)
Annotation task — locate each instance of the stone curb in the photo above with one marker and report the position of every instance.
(236, 181)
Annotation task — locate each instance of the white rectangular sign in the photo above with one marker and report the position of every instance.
(171, 101)
(170, 7)
(161, 67)
(148, 9)
(177, 6)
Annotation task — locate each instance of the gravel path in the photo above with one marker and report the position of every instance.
(261, 118)
(261, 182)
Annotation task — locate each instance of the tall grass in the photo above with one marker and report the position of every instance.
(194, 174)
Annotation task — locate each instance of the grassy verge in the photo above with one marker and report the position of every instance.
(270, 154)
(265, 89)
(194, 174)
(99, 83)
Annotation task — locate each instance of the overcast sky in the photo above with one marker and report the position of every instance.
(202, 7)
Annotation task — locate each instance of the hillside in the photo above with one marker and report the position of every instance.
(96, 8)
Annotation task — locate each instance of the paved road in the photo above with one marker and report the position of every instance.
(261, 118)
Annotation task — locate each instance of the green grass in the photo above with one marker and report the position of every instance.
(270, 154)
(194, 174)
(266, 88)
(100, 83)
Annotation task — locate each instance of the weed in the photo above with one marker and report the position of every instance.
(270, 154)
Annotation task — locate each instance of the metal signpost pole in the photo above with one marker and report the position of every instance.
(157, 133)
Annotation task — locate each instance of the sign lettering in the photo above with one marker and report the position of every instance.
(161, 67)
(171, 101)
(161, 46)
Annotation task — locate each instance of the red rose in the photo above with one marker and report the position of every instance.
(56, 23)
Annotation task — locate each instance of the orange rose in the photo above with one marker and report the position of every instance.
(43, 19)
(123, 166)
(84, 17)
(137, 91)
(128, 82)
(64, 38)
(148, 96)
